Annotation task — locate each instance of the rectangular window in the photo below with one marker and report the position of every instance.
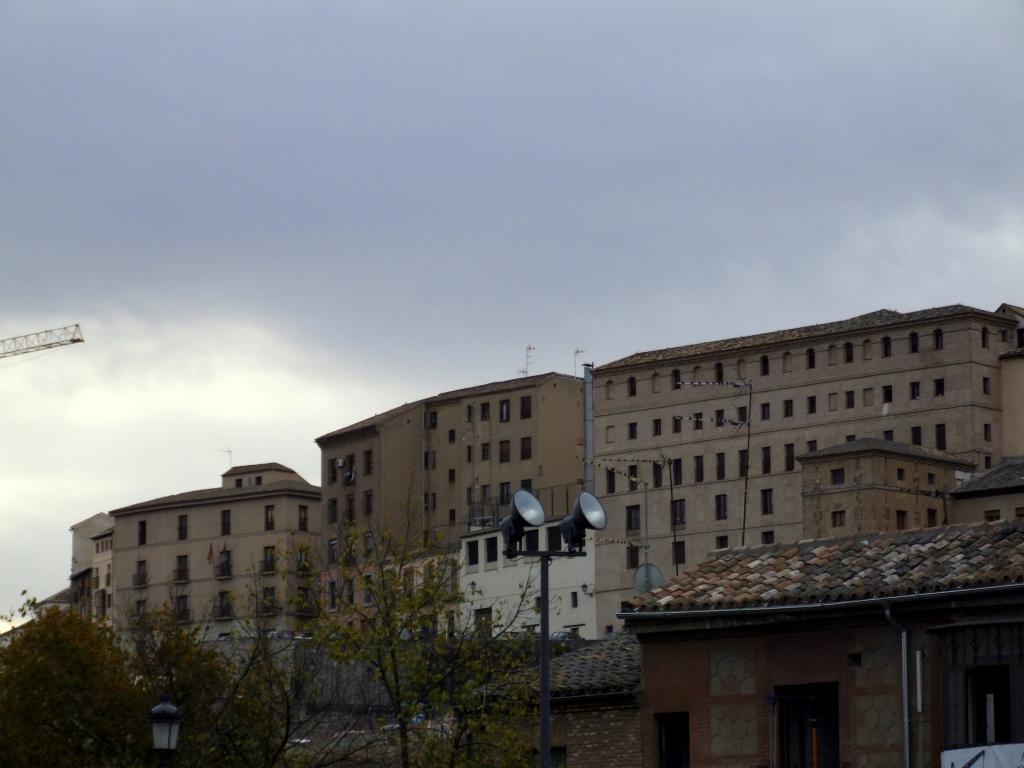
(838, 518)
(766, 460)
(182, 527)
(451, 436)
(901, 520)
(790, 456)
(849, 398)
(432, 420)
(504, 410)
(867, 397)
(525, 407)
(657, 471)
(485, 451)
(678, 513)
(303, 518)
(915, 435)
(932, 518)
(368, 503)
(609, 481)
(940, 436)
(812, 446)
(332, 551)
(887, 393)
(485, 411)
(991, 515)
(505, 493)
(678, 552)
(888, 435)
(631, 386)
(350, 508)
(677, 424)
(491, 547)
(368, 460)
(554, 539)
(633, 476)
(939, 387)
(472, 553)
(833, 401)
(987, 432)
(766, 411)
(631, 431)
(767, 502)
(719, 418)
(850, 438)
(269, 558)
(698, 421)
(721, 507)
(986, 385)
(656, 427)
(744, 462)
(812, 404)
(720, 466)
(451, 475)
(886, 346)
(332, 470)
(632, 556)
(677, 471)
(531, 542)
(469, 454)
(225, 522)
(838, 476)
(268, 517)
(525, 448)
(741, 414)
(767, 537)
(469, 413)
(698, 469)
(633, 517)
(915, 390)
(810, 358)
(787, 408)
(721, 542)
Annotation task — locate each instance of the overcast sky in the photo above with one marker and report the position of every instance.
(273, 219)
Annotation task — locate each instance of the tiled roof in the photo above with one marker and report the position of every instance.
(881, 318)
(827, 571)
(604, 668)
(245, 469)
(214, 494)
(1008, 476)
(1019, 352)
(103, 533)
(372, 421)
(874, 444)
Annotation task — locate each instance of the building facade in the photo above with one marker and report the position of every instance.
(221, 555)
(91, 581)
(711, 433)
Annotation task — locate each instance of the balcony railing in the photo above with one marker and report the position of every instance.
(140, 579)
(223, 611)
(222, 570)
(269, 564)
(483, 515)
(180, 574)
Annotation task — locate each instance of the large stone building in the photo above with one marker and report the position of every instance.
(218, 555)
(92, 583)
(710, 435)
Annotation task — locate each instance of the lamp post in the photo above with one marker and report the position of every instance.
(166, 721)
(526, 510)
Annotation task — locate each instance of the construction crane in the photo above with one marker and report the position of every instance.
(36, 342)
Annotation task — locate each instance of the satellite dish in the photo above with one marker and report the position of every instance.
(527, 506)
(646, 578)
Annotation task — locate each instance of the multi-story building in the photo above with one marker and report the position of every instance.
(445, 467)
(91, 581)
(219, 555)
(710, 433)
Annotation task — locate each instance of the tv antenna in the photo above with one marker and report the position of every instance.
(525, 370)
(575, 357)
(231, 460)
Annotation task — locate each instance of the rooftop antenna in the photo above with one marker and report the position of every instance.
(575, 357)
(525, 370)
(231, 460)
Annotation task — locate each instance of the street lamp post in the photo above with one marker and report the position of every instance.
(526, 510)
(166, 721)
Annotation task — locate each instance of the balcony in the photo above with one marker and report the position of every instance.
(180, 574)
(269, 565)
(269, 607)
(483, 515)
(140, 579)
(305, 610)
(222, 612)
(222, 571)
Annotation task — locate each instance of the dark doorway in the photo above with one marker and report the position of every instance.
(988, 704)
(674, 739)
(808, 725)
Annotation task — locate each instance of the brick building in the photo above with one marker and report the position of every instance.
(866, 651)
(709, 434)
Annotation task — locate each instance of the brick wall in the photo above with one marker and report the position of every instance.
(599, 735)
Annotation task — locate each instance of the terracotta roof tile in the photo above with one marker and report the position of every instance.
(1007, 476)
(607, 667)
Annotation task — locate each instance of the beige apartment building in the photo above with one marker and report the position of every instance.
(221, 555)
(432, 471)
(715, 432)
(91, 582)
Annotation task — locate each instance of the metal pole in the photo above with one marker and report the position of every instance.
(746, 474)
(545, 668)
(647, 536)
(588, 427)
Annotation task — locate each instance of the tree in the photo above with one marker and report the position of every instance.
(454, 692)
(67, 697)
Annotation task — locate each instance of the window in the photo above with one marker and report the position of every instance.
(303, 518)
(182, 527)
(720, 466)
(848, 352)
(504, 410)
(485, 451)
(491, 548)
(850, 400)
(525, 448)
(719, 418)
(469, 413)
(269, 558)
(744, 462)
(741, 414)
(525, 407)
(865, 349)
(991, 515)
(631, 386)
(368, 503)
(451, 475)
(937, 336)
(939, 387)
(505, 493)
(940, 436)
(677, 379)
(633, 517)
(790, 450)
(698, 421)
(268, 517)
(931, 478)
(678, 552)
(631, 431)
(721, 507)
(833, 401)
(838, 476)
(915, 435)
(984, 337)
(368, 456)
(812, 446)
(554, 538)
(719, 373)
(932, 518)
(655, 383)
(913, 341)
(451, 436)
(677, 471)
(986, 385)
(888, 436)
(838, 518)
(987, 432)
(225, 522)
(656, 427)
(574, 597)
(609, 481)
(787, 408)
(833, 354)
(767, 537)
(886, 346)
(988, 462)
(472, 553)
(812, 404)
(332, 470)
(766, 411)
(867, 397)
(632, 476)
(451, 514)
(657, 471)
(181, 568)
(677, 424)
(901, 520)
(432, 420)
(887, 393)
(766, 460)
(767, 502)
(698, 469)
(332, 551)
(850, 438)
(915, 390)
(900, 473)
(632, 556)
(678, 513)
(764, 365)
(810, 357)
(485, 411)
(485, 492)
(721, 542)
